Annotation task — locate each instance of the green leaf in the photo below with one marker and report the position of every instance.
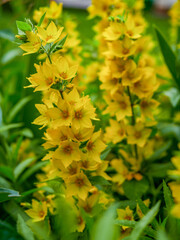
(7, 34)
(58, 45)
(98, 180)
(167, 196)
(144, 222)
(105, 228)
(159, 170)
(7, 194)
(105, 153)
(10, 126)
(126, 223)
(23, 26)
(4, 183)
(169, 129)
(161, 235)
(22, 166)
(144, 210)
(132, 224)
(168, 54)
(18, 107)
(10, 55)
(174, 96)
(15, 153)
(41, 19)
(7, 172)
(32, 170)
(158, 153)
(23, 229)
(135, 189)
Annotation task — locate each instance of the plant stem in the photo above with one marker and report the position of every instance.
(133, 119)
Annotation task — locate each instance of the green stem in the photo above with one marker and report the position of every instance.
(133, 119)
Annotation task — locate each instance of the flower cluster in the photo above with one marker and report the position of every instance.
(74, 147)
(129, 80)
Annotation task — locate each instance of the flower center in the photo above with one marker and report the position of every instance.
(79, 182)
(90, 146)
(63, 75)
(125, 51)
(48, 37)
(49, 80)
(78, 114)
(137, 134)
(65, 114)
(67, 149)
(41, 213)
(123, 105)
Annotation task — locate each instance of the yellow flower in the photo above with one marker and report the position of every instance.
(121, 169)
(147, 107)
(83, 112)
(114, 31)
(121, 107)
(51, 34)
(38, 211)
(44, 118)
(108, 82)
(122, 49)
(175, 188)
(138, 210)
(53, 136)
(176, 162)
(78, 185)
(131, 73)
(132, 31)
(116, 132)
(138, 134)
(146, 85)
(63, 71)
(44, 78)
(81, 134)
(54, 11)
(95, 146)
(68, 152)
(67, 172)
(61, 115)
(125, 214)
(33, 44)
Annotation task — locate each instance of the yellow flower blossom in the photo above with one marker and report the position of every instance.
(95, 146)
(44, 78)
(33, 45)
(51, 34)
(82, 113)
(63, 71)
(68, 152)
(54, 136)
(121, 107)
(125, 214)
(122, 49)
(138, 134)
(38, 211)
(116, 132)
(78, 185)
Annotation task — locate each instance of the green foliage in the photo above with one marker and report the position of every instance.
(135, 189)
(167, 196)
(144, 222)
(41, 19)
(169, 56)
(7, 194)
(23, 26)
(104, 228)
(23, 229)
